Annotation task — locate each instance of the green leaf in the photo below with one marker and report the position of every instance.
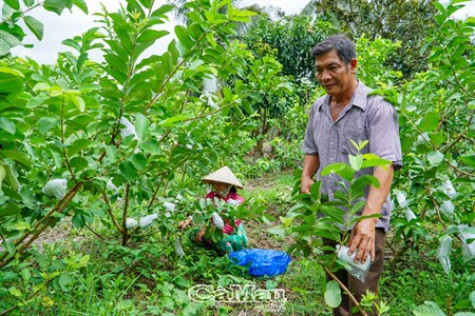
(139, 161)
(25, 274)
(472, 298)
(35, 26)
(357, 207)
(65, 281)
(10, 246)
(7, 125)
(71, 43)
(78, 163)
(435, 157)
(11, 71)
(128, 170)
(355, 162)
(46, 123)
(77, 146)
(151, 146)
(380, 162)
(9, 209)
(340, 168)
(468, 160)
(7, 41)
(141, 125)
(333, 212)
(277, 230)
(363, 181)
(315, 189)
(81, 4)
(14, 4)
(29, 3)
(16, 156)
(429, 122)
(146, 3)
(11, 178)
(360, 218)
(3, 174)
(79, 102)
(164, 9)
(173, 120)
(333, 294)
(151, 35)
(182, 35)
(428, 309)
(56, 6)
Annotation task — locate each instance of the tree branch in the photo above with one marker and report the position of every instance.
(124, 216)
(64, 204)
(347, 291)
(111, 214)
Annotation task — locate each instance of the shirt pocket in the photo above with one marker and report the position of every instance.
(352, 131)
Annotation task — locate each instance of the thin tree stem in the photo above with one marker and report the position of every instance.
(124, 216)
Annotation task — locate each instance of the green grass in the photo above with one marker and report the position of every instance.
(148, 279)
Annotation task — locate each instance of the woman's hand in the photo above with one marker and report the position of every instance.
(183, 224)
(200, 234)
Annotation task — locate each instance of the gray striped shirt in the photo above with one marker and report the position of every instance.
(365, 118)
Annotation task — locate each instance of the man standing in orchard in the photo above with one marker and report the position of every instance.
(349, 112)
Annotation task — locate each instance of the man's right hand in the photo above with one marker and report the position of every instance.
(305, 184)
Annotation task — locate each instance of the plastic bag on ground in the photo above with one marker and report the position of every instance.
(358, 269)
(178, 248)
(55, 187)
(263, 262)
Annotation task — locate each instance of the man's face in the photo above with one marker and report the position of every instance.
(333, 74)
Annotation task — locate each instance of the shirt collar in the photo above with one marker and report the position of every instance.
(359, 97)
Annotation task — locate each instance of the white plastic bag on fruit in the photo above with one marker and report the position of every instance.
(169, 206)
(178, 248)
(467, 237)
(147, 220)
(443, 255)
(409, 214)
(131, 223)
(127, 128)
(448, 188)
(55, 187)
(448, 208)
(401, 199)
(357, 269)
(218, 221)
(210, 84)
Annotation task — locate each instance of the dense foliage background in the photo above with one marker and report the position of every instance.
(84, 145)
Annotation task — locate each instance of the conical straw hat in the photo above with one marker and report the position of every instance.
(224, 175)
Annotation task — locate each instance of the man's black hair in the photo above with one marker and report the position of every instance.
(340, 43)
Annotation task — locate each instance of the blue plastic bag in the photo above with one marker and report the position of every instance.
(263, 262)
